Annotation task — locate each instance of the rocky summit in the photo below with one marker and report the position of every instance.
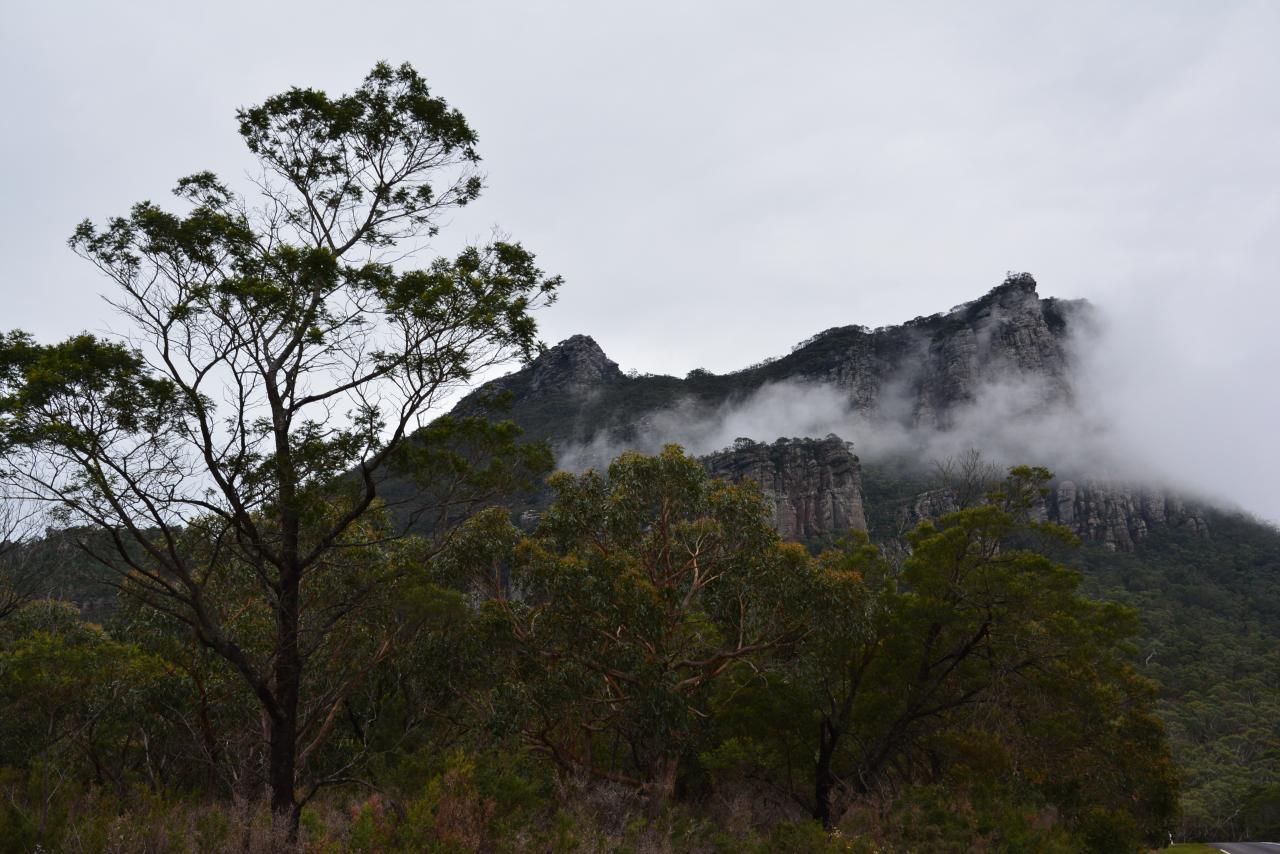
(917, 376)
(919, 373)
(574, 366)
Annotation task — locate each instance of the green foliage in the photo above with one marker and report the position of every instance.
(393, 116)
(72, 393)
(79, 706)
(635, 596)
(1110, 831)
(232, 452)
(70, 690)
(804, 837)
(650, 668)
(978, 660)
(1262, 812)
(982, 815)
(1211, 638)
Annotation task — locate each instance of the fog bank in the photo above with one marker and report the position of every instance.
(1146, 408)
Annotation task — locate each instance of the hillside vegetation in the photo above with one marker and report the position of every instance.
(652, 666)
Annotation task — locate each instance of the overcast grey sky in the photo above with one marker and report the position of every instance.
(717, 181)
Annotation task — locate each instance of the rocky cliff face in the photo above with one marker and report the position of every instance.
(1008, 335)
(1114, 516)
(920, 374)
(558, 397)
(1119, 515)
(815, 485)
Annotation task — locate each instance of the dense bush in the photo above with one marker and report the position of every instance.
(651, 669)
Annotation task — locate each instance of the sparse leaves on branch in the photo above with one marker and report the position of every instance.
(276, 366)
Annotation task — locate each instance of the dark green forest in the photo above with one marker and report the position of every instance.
(652, 665)
(1205, 635)
(1211, 638)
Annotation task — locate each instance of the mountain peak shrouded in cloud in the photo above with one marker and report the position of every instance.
(835, 163)
(1137, 174)
(1021, 377)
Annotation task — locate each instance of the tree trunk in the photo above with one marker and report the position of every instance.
(662, 784)
(284, 725)
(824, 782)
(288, 660)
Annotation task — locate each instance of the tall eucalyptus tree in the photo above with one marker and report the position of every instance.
(276, 368)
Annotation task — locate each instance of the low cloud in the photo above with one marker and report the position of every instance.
(1118, 426)
(1007, 420)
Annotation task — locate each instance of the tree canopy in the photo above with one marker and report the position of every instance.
(275, 366)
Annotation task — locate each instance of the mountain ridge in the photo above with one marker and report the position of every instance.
(915, 373)
(921, 375)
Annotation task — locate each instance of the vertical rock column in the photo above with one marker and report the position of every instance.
(815, 485)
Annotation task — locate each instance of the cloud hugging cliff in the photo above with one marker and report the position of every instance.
(1023, 378)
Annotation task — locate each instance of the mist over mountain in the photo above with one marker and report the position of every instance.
(1022, 378)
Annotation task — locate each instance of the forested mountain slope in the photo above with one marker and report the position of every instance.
(1206, 580)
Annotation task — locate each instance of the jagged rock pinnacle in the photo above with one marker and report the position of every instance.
(575, 364)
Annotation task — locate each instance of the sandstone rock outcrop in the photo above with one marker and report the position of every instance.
(1114, 516)
(815, 485)
(575, 365)
(569, 371)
